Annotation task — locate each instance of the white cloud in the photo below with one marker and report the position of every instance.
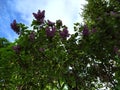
(66, 10)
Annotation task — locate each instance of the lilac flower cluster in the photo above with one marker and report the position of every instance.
(32, 36)
(15, 27)
(16, 48)
(85, 31)
(50, 23)
(39, 16)
(50, 31)
(64, 34)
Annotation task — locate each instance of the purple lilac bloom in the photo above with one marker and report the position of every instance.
(64, 34)
(15, 27)
(50, 23)
(16, 48)
(85, 31)
(50, 31)
(32, 36)
(39, 16)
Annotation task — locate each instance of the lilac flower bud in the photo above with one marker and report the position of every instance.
(50, 23)
(59, 22)
(16, 48)
(85, 31)
(15, 27)
(50, 31)
(64, 34)
(39, 16)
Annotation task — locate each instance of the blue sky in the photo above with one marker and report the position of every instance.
(67, 10)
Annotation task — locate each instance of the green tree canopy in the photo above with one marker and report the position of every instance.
(49, 58)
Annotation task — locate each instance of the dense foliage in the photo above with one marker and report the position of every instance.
(49, 58)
